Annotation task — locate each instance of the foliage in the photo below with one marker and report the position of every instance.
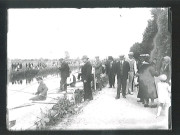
(57, 112)
(156, 37)
(137, 49)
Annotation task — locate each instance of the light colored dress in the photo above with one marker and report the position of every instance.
(163, 90)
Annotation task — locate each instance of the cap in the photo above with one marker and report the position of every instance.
(131, 53)
(144, 55)
(121, 56)
(85, 57)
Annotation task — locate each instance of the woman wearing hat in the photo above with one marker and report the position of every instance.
(41, 91)
(147, 88)
(163, 90)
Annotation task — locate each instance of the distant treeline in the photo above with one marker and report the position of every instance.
(29, 69)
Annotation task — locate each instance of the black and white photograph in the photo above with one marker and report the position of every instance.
(89, 69)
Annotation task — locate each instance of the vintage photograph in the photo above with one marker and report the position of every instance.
(89, 69)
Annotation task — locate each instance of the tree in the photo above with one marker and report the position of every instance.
(156, 37)
(136, 49)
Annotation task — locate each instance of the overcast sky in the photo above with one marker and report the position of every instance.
(48, 33)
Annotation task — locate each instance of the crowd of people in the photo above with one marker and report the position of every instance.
(150, 81)
(27, 66)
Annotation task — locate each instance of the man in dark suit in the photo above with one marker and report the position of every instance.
(122, 69)
(64, 71)
(87, 78)
(110, 71)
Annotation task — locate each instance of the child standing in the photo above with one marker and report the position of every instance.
(163, 90)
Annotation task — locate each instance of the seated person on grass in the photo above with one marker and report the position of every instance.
(41, 91)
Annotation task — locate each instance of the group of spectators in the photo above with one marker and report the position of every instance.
(16, 66)
(28, 66)
(150, 81)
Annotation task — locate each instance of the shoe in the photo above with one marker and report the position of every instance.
(110, 87)
(117, 98)
(153, 106)
(139, 101)
(131, 93)
(124, 96)
(146, 105)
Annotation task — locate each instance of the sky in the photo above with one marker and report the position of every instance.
(48, 33)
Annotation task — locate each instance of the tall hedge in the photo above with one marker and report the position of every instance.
(156, 37)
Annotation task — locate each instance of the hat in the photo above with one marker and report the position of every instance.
(61, 59)
(167, 58)
(162, 77)
(97, 57)
(110, 58)
(85, 57)
(121, 56)
(147, 55)
(39, 78)
(131, 53)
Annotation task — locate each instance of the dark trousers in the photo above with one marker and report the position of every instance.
(63, 85)
(111, 80)
(99, 81)
(121, 83)
(87, 91)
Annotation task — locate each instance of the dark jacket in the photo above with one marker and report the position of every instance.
(126, 69)
(42, 89)
(64, 69)
(86, 72)
(111, 70)
(147, 88)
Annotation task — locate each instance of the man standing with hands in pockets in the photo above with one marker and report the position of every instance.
(87, 78)
(122, 69)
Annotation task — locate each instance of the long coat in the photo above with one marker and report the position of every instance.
(126, 69)
(147, 88)
(110, 70)
(64, 69)
(86, 72)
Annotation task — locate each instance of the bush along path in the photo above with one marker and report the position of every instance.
(105, 112)
(64, 109)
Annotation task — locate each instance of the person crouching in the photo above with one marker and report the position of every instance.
(41, 91)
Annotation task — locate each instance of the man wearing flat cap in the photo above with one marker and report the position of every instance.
(41, 91)
(122, 69)
(132, 72)
(86, 78)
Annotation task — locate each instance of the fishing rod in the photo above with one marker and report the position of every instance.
(33, 94)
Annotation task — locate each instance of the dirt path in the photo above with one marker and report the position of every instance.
(107, 113)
